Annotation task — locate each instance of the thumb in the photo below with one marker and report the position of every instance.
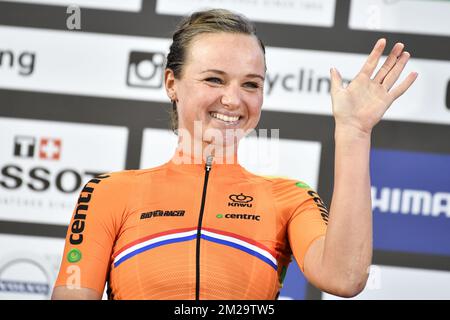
(336, 80)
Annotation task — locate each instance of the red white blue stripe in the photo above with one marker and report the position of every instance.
(241, 243)
(153, 241)
(229, 239)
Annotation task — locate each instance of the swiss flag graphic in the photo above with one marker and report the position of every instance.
(50, 149)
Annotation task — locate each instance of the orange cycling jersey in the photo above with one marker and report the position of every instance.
(189, 231)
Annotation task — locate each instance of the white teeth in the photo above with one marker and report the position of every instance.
(224, 117)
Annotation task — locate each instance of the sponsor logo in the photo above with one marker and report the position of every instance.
(239, 216)
(302, 185)
(411, 202)
(162, 213)
(40, 178)
(49, 148)
(320, 204)
(23, 62)
(304, 81)
(43, 168)
(78, 223)
(74, 255)
(24, 146)
(240, 200)
(24, 275)
(145, 69)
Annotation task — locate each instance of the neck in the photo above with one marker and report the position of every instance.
(197, 152)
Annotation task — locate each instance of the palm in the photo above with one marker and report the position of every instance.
(362, 104)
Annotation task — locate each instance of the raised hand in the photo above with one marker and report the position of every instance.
(364, 101)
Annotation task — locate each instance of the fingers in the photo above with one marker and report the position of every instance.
(390, 62)
(395, 72)
(336, 80)
(372, 61)
(402, 87)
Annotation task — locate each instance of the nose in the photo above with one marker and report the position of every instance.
(231, 97)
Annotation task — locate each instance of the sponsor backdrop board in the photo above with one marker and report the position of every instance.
(28, 266)
(76, 101)
(45, 164)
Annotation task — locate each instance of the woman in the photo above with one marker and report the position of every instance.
(201, 226)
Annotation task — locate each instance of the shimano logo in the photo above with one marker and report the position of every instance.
(409, 201)
(162, 213)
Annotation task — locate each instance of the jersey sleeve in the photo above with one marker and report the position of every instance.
(308, 217)
(91, 234)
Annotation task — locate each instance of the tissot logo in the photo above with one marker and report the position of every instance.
(46, 163)
(145, 69)
(24, 146)
(162, 213)
(40, 178)
(48, 148)
(240, 200)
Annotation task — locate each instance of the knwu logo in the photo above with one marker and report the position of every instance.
(48, 148)
(240, 200)
(411, 202)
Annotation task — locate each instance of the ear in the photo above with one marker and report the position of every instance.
(169, 81)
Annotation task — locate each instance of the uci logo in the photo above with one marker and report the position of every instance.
(240, 200)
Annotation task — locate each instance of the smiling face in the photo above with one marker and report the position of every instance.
(221, 84)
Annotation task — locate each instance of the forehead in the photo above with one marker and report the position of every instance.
(230, 52)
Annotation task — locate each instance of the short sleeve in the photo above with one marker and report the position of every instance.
(308, 220)
(91, 234)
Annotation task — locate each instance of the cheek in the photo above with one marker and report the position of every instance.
(254, 107)
(198, 99)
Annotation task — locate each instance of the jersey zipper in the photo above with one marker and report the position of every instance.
(199, 227)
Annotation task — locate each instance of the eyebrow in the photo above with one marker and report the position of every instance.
(250, 75)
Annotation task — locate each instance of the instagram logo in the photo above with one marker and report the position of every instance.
(145, 69)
